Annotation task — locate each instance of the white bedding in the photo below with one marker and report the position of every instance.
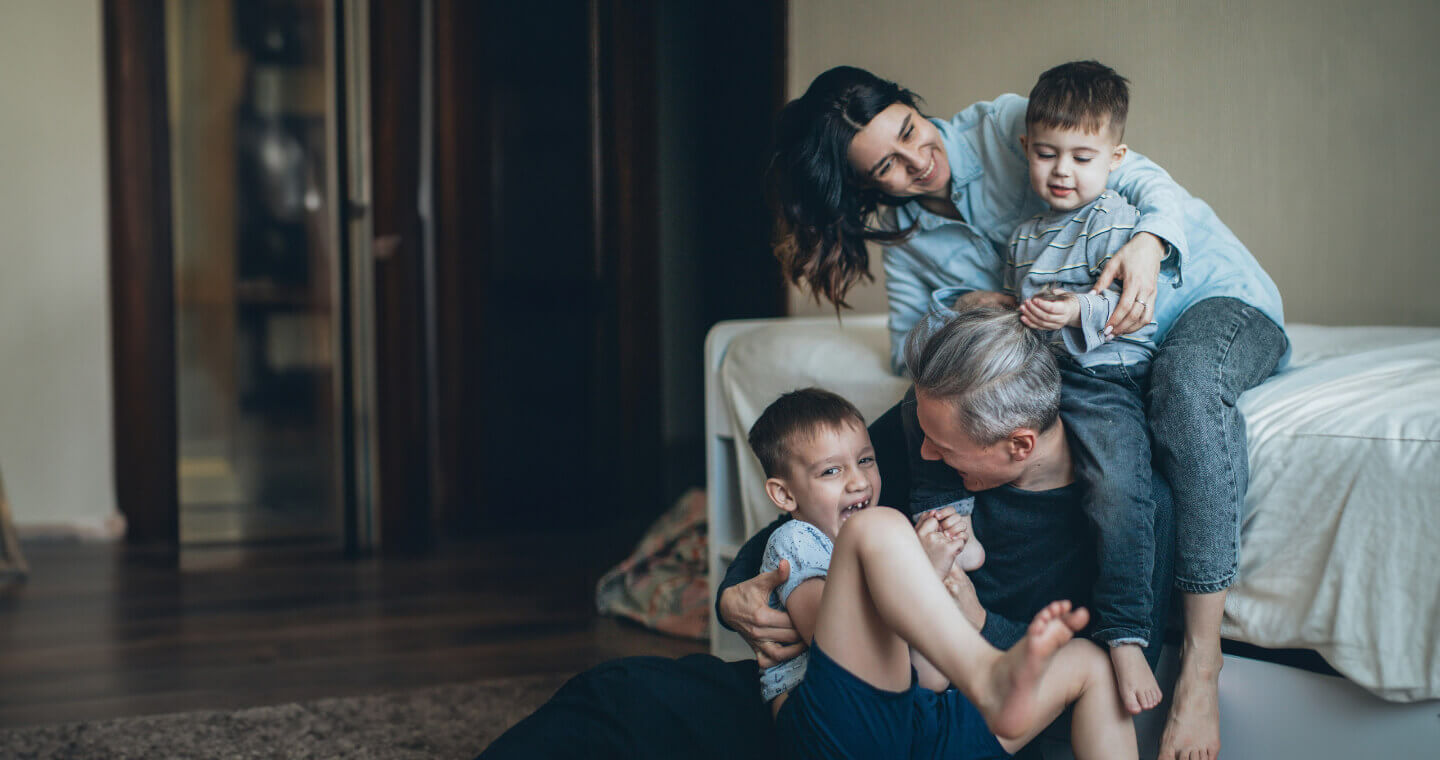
(1338, 548)
(1339, 542)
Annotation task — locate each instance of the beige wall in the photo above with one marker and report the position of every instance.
(55, 408)
(1309, 125)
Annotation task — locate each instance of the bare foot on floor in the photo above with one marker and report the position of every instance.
(1192, 731)
(1010, 708)
(1139, 691)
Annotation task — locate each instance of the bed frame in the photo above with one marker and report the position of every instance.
(1269, 710)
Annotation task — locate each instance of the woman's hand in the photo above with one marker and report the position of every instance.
(1137, 266)
(979, 299)
(746, 608)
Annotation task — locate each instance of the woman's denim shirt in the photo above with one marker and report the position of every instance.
(990, 185)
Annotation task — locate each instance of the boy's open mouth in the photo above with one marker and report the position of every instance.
(853, 508)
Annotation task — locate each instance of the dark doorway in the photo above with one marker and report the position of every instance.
(600, 206)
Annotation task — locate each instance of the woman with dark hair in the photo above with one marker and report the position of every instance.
(856, 162)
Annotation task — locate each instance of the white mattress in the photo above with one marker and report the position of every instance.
(1338, 546)
(1342, 526)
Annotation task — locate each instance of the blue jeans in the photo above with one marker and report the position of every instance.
(1103, 408)
(1218, 349)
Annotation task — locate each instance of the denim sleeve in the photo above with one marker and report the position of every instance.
(1161, 202)
(746, 564)
(908, 297)
(1006, 110)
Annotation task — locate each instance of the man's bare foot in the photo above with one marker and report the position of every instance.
(1139, 691)
(1010, 707)
(1192, 730)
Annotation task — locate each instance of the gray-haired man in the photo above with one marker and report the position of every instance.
(1039, 544)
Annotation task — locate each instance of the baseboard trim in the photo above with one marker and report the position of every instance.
(100, 528)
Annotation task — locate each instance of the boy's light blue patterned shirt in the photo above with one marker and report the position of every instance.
(1067, 250)
(990, 185)
(808, 550)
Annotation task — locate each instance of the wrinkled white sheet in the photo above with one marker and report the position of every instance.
(1339, 543)
(1340, 539)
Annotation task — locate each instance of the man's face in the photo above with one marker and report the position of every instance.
(981, 467)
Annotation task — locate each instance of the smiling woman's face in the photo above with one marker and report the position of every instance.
(900, 153)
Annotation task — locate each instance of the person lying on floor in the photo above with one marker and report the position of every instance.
(868, 584)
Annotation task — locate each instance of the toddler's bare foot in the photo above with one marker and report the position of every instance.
(1192, 730)
(1138, 689)
(939, 548)
(972, 554)
(1010, 706)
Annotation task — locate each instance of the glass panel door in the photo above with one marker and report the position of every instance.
(259, 362)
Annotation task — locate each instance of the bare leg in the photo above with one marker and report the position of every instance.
(882, 592)
(1099, 727)
(1192, 730)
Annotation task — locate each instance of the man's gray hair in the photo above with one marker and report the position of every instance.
(997, 373)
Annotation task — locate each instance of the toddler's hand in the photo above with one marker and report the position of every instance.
(1051, 311)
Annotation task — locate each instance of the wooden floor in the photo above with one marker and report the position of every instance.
(99, 631)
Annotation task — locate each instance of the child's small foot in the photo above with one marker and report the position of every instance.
(1010, 708)
(940, 548)
(972, 556)
(1139, 690)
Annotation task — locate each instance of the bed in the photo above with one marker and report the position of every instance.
(1340, 536)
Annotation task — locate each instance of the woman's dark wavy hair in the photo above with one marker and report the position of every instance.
(823, 209)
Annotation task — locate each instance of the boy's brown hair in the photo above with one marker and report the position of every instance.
(1084, 95)
(797, 413)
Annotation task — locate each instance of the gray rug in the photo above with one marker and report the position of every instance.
(442, 722)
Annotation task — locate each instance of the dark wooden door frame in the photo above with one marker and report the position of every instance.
(625, 153)
(623, 176)
(407, 516)
(142, 289)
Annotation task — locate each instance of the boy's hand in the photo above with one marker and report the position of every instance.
(769, 632)
(941, 547)
(980, 299)
(1051, 312)
(1137, 266)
